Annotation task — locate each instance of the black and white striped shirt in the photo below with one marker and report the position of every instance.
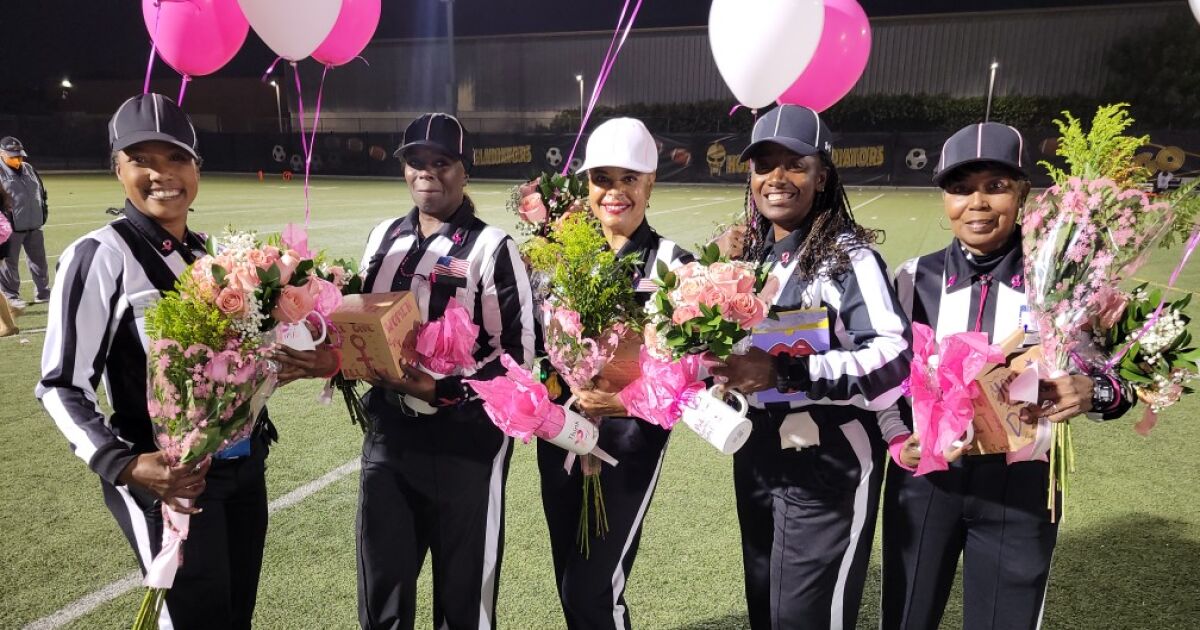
(96, 333)
(869, 353)
(470, 261)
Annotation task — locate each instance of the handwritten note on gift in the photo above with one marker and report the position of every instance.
(998, 426)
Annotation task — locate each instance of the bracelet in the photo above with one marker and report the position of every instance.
(337, 354)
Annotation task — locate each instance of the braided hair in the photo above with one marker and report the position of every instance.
(832, 233)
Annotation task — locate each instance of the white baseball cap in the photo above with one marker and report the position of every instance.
(623, 143)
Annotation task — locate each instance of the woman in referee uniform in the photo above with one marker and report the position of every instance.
(988, 509)
(434, 466)
(95, 332)
(620, 163)
(807, 482)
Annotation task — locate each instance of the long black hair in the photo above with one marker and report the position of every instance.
(832, 234)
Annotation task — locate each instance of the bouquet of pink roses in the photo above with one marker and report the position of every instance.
(708, 306)
(209, 373)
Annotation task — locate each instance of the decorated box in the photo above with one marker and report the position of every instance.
(997, 423)
(378, 331)
(796, 333)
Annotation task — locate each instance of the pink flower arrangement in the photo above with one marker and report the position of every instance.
(578, 358)
(709, 305)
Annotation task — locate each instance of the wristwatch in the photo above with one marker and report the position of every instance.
(1104, 394)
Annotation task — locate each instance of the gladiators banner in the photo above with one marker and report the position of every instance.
(863, 159)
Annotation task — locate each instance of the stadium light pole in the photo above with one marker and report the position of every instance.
(579, 80)
(987, 115)
(453, 78)
(278, 106)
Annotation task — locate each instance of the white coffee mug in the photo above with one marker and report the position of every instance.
(297, 336)
(578, 434)
(714, 420)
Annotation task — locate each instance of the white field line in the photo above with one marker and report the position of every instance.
(258, 209)
(869, 201)
(113, 590)
(692, 207)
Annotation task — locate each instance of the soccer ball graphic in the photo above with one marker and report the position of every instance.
(554, 156)
(278, 154)
(916, 159)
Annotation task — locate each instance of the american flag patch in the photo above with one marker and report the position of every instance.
(645, 285)
(452, 267)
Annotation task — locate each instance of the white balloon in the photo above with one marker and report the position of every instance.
(762, 46)
(292, 28)
(1195, 8)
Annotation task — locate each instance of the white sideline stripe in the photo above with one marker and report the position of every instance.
(109, 592)
(869, 201)
(694, 206)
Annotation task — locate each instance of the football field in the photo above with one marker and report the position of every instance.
(1128, 554)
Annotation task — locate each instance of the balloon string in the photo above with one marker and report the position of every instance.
(304, 146)
(153, 48)
(271, 68)
(312, 144)
(610, 58)
(1192, 243)
(182, 89)
(149, 67)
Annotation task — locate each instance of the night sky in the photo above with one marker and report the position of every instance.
(45, 40)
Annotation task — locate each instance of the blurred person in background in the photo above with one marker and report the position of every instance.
(23, 199)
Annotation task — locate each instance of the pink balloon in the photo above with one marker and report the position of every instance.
(195, 37)
(839, 61)
(354, 28)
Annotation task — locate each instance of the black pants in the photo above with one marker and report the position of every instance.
(592, 588)
(430, 485)
(807, 520)
(993, 515)
(217, 584)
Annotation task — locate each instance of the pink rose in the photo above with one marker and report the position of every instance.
(690, 290)
(1111, 305)
(684, 313)
(747, 310)
(533, 208)
(271, 252)
(295, 303)
(529, 188)
(568, 322)
(714, 296)
(326, 296)
(259, 259)
(231, 301)
(242, 278)
(689, 270)
(338, 275)
(287, 264)
(725, 277)
(746, 281)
